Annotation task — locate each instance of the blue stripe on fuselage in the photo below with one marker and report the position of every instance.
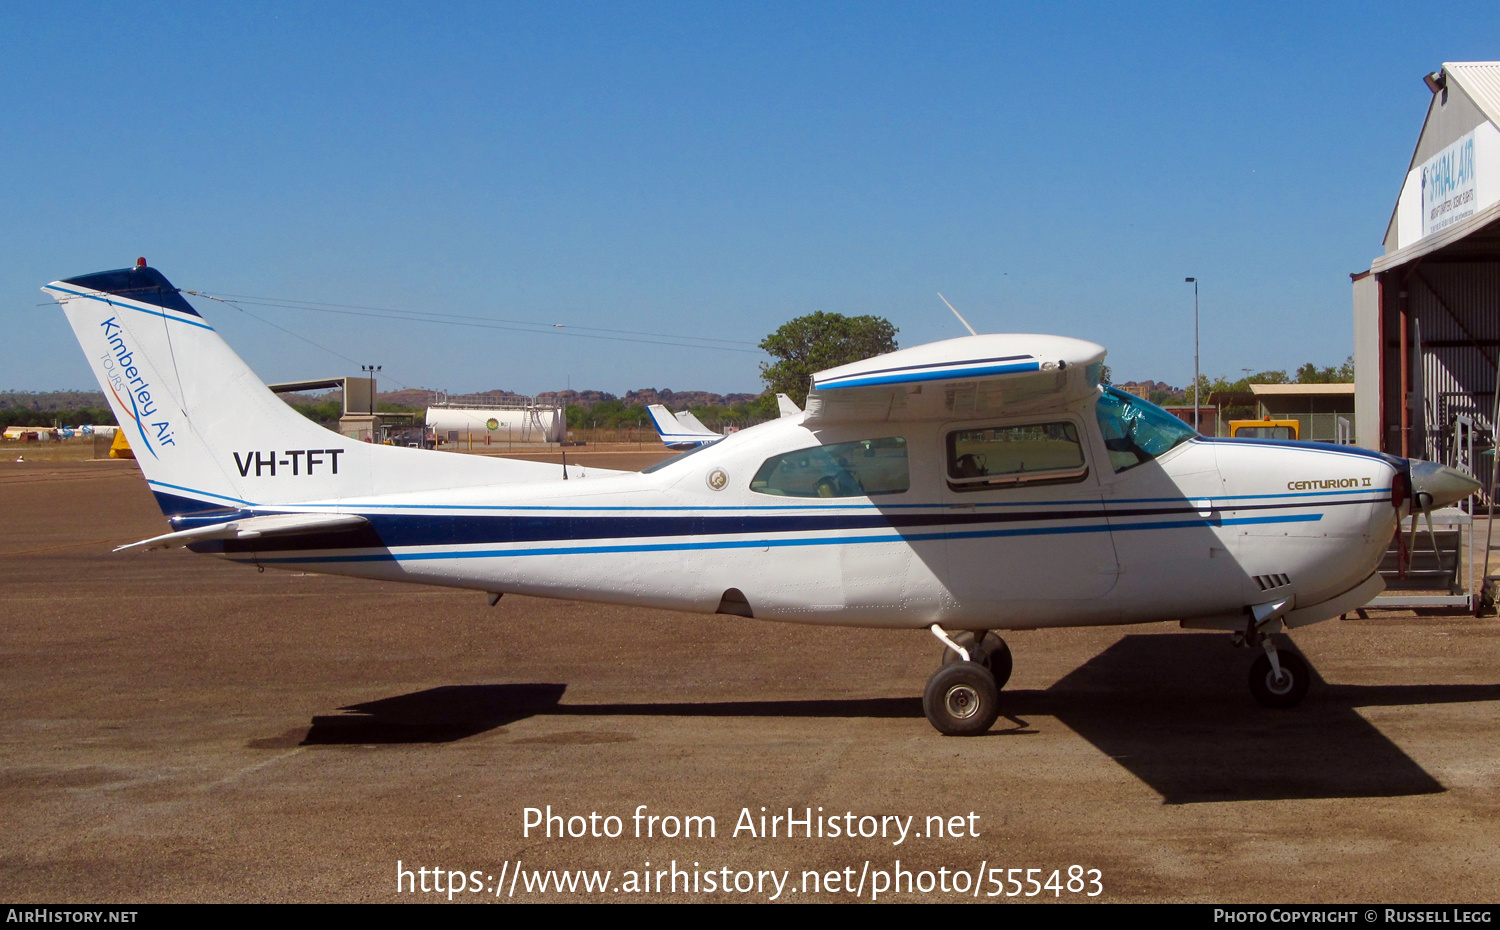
(396, 531)
(767, 543)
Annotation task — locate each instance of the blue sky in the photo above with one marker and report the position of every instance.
(712, 170)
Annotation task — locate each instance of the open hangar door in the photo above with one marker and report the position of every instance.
(1434, 368)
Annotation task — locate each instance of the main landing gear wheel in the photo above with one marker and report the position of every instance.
(1286, 691)
(961, 699)
(993, 654)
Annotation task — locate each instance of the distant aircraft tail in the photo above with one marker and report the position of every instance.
(680, 431)
(209, 435)
(786, 406)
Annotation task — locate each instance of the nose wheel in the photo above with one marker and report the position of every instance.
(1283, 686)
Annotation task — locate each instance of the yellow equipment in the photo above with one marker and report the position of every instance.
(1264, 429)
(120, 449)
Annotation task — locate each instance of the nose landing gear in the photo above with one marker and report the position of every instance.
(1279, 679)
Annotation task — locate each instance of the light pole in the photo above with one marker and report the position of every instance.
(1194, 283)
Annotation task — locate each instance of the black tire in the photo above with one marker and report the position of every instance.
(1288, 692)
(961, 699)
(994, 654)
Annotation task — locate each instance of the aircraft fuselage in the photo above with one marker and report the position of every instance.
(1203, 530)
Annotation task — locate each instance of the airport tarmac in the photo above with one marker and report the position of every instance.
(176, 728)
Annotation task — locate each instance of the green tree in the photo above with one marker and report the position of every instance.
(819, 341)
(1312, 374)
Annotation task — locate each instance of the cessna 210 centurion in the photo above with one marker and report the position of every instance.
(983, 483)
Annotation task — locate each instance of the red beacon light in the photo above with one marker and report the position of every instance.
(140, 262)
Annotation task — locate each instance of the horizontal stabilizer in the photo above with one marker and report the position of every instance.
(276, 524)
(692, 424)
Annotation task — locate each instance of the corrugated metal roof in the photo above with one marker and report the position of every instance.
(1338, 388)
(1481, 81)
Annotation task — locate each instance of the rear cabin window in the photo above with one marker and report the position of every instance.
(1010, 455)
(848, 469)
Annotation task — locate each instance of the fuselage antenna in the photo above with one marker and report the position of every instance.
(957, 314)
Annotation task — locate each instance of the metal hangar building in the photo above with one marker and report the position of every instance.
(1427, 312)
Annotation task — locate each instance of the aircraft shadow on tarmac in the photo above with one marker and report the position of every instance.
(1171, 709)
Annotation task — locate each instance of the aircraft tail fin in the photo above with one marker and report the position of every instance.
(209, 435)
(677, 433)
(786, 406)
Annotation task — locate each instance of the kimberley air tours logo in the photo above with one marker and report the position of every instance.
(125, 382)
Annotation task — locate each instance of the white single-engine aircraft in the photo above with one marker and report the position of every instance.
(977, 484)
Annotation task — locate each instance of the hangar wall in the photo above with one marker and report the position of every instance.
(1366, 377)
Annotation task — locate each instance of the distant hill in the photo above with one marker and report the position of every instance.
(1152, 387)
(50, 400)
(678, 400)
(418, 398)
(675, 400)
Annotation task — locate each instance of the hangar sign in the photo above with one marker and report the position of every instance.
(1451, 186)
(1448, 185)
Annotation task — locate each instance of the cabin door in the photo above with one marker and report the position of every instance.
(1025, 524)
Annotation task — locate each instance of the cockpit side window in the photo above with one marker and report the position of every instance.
(1136, 431)
(863, 468)
(1010, 455)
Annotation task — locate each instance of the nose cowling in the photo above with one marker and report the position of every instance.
(1438, 485)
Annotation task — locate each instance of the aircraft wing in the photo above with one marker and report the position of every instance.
(969, 377)
(276, 524)
(676, 433)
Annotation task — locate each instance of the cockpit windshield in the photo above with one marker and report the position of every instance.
(1137, 431)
